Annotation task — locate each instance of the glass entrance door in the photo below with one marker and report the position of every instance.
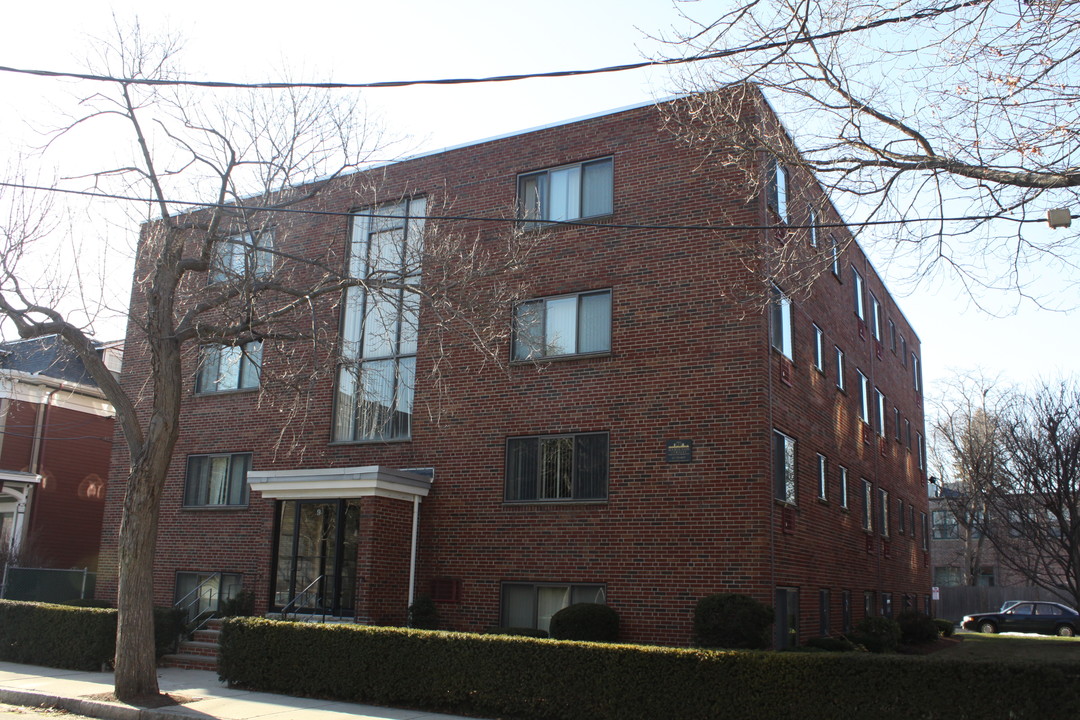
(316, 556)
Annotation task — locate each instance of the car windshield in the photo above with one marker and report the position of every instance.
(1007, 604)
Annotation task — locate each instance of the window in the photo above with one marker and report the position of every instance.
(776, 190)
(947, 576)
(864, 397)
(978, 524)
(566, 325)
(868, 506)
(823, 612)
(228, 367)
(784, 467)
(531, 606)
(782, 331)
(907, 429)
(557, 467)
(985, 578)
(916, 374)
(823, 477)
(903, 351)
(217, 480)
(886, 605)
(911, 517)
(819, 349)
(945, 525)
(875, 317)
(570, 192)
(896, 422)
(811, 220)
(860, 302)
(843, 487)
(868, 604)
(840, 369)
(379, 324)
(901, 522)
(200, 593)
(845, 611)
(892, 335)
(834, 250)
(786, 618)
(879, 403)
(922, 450)
(248, 255)
(925, 531)
(883, 511)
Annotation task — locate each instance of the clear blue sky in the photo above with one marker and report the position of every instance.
(364, 40)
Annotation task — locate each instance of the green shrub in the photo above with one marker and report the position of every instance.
(877, 634)
(529, 679)
(945, 627)
(728, 620)
(518, 631)
(57, 635)
(169, 625)
(78, 638)
(423, 615)
(831, 644)
(916, 628)
(591, 622)
(87, 602)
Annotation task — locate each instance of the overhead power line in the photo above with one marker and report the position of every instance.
(515, 220)
(922, 14)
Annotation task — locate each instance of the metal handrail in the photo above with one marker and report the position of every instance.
(185, 604)
(294, 601)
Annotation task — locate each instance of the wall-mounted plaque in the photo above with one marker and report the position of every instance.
(679, 451)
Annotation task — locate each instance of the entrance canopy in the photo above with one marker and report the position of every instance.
(348, 482)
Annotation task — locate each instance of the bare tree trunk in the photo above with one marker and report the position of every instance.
(136, 661)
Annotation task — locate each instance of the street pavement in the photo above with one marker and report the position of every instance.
(84, 693)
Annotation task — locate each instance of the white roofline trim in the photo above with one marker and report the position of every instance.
(337, 483)
(16, 476)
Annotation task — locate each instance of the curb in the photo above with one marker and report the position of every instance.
(90, 708)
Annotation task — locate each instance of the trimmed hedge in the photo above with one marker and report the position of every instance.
(61, 636)
(590, 622)
(502, 676)
(72, 637)
(730, 620)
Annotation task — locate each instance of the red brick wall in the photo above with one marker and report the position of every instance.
(688, 361)
(65, 519)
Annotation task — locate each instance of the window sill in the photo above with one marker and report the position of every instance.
(219, 393)
(561, 358)
(387, 441)
(214, 508)
(554, 503)
(539, 225)
(822, 501)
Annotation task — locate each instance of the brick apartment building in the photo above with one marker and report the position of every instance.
(650, 440)
(56, 431)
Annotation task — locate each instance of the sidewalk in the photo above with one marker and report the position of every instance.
(76, 691)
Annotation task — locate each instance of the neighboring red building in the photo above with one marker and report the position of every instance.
(56, 433)
(651, 442)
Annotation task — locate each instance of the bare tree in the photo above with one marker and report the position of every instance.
(223, 279)
(968, 454)
(1036, 504)
(1010, 468)
(908, 113)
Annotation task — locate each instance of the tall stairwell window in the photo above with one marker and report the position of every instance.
(379, 324)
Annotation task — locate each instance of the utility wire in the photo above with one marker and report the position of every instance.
(776, 45)
(515, 220)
